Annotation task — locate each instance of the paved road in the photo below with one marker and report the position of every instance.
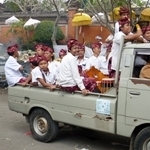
(14, 129)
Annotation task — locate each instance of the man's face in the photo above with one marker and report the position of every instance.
(48, 55)
(126, 28)
(147, 35)
(74, 50)
(81, 52)
(39, 52)
(124, 15)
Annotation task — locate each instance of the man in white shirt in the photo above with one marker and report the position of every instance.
(99, 40)
(94, 60)
(124, 13)
(104, 46)
(68, 77)
(125, 30)
(12, 67)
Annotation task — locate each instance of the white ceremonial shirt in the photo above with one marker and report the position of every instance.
(116, 27)
(12, 72)
(54, 65)
(103, 49)
(115, 49)
(103, 65)
(82, 63)
(49, 77)
(68, 75)
(92, 61)
(34, 72)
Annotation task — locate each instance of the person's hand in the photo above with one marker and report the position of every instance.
(52, 87)
(145, 41)
(139, 32)
(85, 91)
(24, 84)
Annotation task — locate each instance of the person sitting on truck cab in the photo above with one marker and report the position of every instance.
(12, 67)
(44, 75)
(125, 30)
(68, 77)
(30, 78)
(124, 13)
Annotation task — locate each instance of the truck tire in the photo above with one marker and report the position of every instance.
(42, 126)
(142, 140)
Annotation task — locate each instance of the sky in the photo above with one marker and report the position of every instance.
(1, 1)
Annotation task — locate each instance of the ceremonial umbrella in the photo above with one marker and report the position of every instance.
(32, 22)
(11, 20)
(114, 15)
(81, 19)
(145, 15)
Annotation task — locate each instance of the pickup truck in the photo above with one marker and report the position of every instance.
(123, 109)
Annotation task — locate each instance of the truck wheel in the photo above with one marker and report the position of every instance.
(42, 126)
(142, 140)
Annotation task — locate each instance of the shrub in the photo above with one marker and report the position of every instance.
(43, 32)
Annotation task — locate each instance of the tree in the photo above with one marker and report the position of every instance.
(60, 6)
(26, 5)
(44, 32)
(107, 6)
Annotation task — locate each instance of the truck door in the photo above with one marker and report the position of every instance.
(138, 88)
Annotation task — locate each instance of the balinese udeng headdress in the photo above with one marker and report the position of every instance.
(96, 45)
(123, 10)
(12, 48)
(123, 21)
(62, 52)
(38, 46)
(145, 29)
(34, 60)
(81, 46)
(41, 58)
(47, 48)
(71, 43)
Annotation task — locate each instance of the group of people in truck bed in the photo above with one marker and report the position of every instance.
(71, 71)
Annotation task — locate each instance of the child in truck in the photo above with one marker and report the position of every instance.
(44, 75)
(31, 79)
(124, 30)
(12, 67)
(49, 55)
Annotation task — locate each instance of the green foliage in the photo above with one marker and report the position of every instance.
(44, 30)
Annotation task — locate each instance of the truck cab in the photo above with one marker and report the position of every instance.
(120, 109)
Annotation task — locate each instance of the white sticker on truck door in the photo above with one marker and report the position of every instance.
(103, 106)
